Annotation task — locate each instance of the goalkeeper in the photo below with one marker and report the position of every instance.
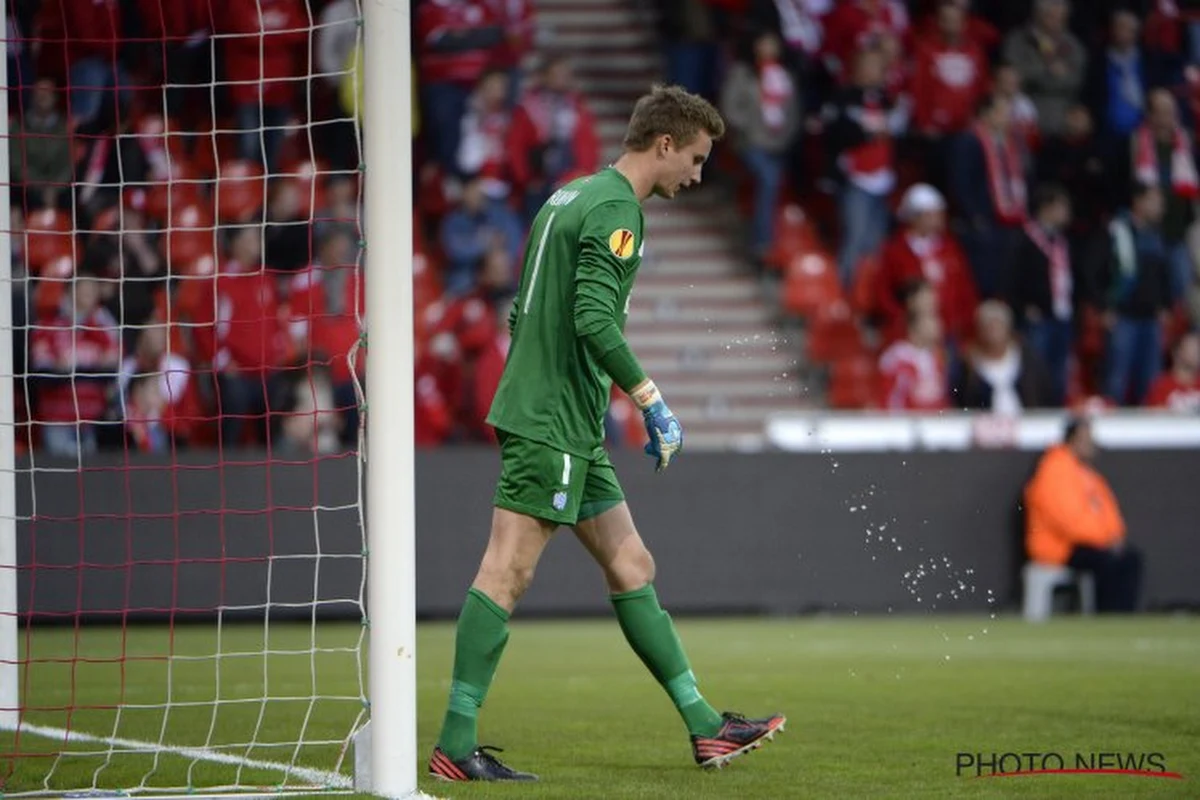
(568, 348)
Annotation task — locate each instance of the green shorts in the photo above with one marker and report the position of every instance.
(542, 482)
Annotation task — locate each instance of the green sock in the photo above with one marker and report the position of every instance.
(651, 634)
(481, 635)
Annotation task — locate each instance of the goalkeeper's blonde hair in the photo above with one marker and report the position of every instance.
(673, 111)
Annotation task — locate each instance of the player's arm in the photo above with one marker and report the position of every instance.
(608, 242)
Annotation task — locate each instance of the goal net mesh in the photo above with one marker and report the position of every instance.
(184, 182)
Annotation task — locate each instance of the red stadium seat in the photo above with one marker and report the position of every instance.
(833, 333)
(189, 237)
(427, 295)
(209, 148)
(864, 294)
(794, 233)
(52, 285)
(47, 238)
(810, 282)
(240, 191)
(1178, 324)
(174, 138)
(183, 187)
(854, 382)
(1092, 334)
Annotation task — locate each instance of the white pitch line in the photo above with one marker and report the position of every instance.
(319, 778)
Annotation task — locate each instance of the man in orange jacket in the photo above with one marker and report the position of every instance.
(1072, 518)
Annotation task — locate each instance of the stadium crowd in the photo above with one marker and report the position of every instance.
(1011, 187)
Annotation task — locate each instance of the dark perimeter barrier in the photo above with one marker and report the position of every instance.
(765, 533)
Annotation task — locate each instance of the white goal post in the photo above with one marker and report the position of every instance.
(391, 556)
(9, 648)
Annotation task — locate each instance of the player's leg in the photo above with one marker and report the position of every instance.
(513, 550)
(628, 566)
(607, 531)
(536, 493)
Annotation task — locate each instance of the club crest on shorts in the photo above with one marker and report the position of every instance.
(620, 242)
(559, 501)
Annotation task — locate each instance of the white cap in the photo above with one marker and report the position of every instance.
(920, 198)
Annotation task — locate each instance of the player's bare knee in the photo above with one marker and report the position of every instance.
(504, 581)
(519, 579)
(631, 570)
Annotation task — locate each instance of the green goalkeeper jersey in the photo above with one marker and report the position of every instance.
(567, 322)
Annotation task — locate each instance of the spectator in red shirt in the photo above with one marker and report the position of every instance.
(1179, 389)
(949, 78)
(856, 25)
(265, 55)
(324, 301)
(913, 370)
(553, 136)
(440, 389)
(489, 366)
(251, 341)
(519, 21)
(456, 41)
(80, 41)
(481, 150)
(977, 29)
(74, 355)
(923, 249)
(433, 419)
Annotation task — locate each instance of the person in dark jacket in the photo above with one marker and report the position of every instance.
(1000, 374)
(1162, 151)
(1082, 162)
(1137, 296)
(689, 32)
(1118, 80)
(39, 150)
(988, 177)
(1044, 281)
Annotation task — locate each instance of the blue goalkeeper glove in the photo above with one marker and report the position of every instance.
(664, 430)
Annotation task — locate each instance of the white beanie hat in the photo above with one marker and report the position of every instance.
(920, 198)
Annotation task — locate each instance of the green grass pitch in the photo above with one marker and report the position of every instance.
(877, 707)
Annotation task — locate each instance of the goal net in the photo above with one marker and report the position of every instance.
(182, 601)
